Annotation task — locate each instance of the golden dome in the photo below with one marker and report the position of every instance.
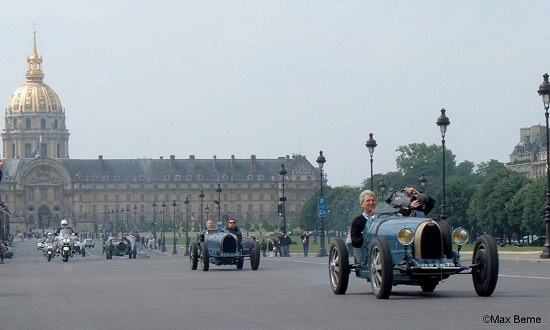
(34, 95)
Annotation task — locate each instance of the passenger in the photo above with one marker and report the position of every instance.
(410, 202)
(233, 229)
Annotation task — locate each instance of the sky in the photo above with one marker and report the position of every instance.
(145, 79)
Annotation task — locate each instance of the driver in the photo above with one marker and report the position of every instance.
(65, 229)
(233, 229)
(49, 239)
(367, 200)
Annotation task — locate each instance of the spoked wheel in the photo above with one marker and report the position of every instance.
(255, 257)
(381, 269)
(205, 258)
(194, 256)
(485, 276)
(338, 267)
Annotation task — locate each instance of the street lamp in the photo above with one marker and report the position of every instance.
(321, 160)
(155, 224)
(174, 251)
(186, 202)
(135, 216)
(283, 173)
(422, 181)
(162, 234)
(371, 144)
(544, 91)
(443, 122)
(201, 197)
(127, 219)
(219, 191)
(207, 209)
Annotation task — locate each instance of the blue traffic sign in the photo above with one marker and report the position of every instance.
(322, 207)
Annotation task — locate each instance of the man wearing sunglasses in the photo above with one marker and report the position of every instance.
(233, 229)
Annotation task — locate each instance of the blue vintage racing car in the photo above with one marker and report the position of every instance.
(412, 250)
(222, 248)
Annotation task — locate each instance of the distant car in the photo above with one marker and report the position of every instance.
(40, 245)
(8, 252)
(220, 248)
(121, 247)
(88, 242)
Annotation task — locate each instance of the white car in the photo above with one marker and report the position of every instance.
(88, 242)
(40, 245)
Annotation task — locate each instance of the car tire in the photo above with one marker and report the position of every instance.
(446, 235)
(205, 257)
(380, 267)
(194, 256)
(485, 256)
(240, 262)
(338, 266)
(255, 258)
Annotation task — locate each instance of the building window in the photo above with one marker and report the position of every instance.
(28, 124)
(42, 123)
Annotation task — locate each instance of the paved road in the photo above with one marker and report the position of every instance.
(159, 291)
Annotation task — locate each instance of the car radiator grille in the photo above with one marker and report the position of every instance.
(229, 244)
(427, 241)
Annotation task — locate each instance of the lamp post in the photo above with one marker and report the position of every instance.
(321, 160)
(283, 173)
(207, 210)
(174, 251)
(382, 188)
(371, 144)
(544, 91)
(422, 181)
(135, 216)
(154, 224)
(162, 234)
(219, 191)
(201, 197)
(127, 219)
(186, 202)
(443, 122)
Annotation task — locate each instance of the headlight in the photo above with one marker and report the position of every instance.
(460, 236)
(405, 236)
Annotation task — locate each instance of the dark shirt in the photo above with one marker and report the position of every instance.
(357, 227)
(235, 231)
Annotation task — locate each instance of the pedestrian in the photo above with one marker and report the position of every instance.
(305, 242)
(270, 247)
(263, 247)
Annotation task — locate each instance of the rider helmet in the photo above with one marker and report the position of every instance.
(49, 234)
(64, 223)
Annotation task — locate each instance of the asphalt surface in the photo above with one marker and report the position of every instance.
(160, 291)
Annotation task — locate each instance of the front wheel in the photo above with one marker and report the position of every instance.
(338, 267)
(255, 258)
(485, 256)
(194, 256)
(205, 257)
(381, 268)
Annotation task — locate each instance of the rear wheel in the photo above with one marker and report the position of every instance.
(381, 268)
(485, 256)
(255, 257)
(338, 267)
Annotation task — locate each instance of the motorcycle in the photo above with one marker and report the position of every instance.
(66, 247)
(49, 250)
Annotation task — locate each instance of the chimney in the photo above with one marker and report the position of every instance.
(172, 162)
(100, 164)
(214, 163)
(232, 164)
(191, 168)
(252, 164)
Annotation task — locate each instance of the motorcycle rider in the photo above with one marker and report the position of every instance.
(49, 239)
(65, 229)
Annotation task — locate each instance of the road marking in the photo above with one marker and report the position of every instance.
(530, 277)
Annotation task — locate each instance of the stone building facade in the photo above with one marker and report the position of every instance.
(529, 155)
(42, 185)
